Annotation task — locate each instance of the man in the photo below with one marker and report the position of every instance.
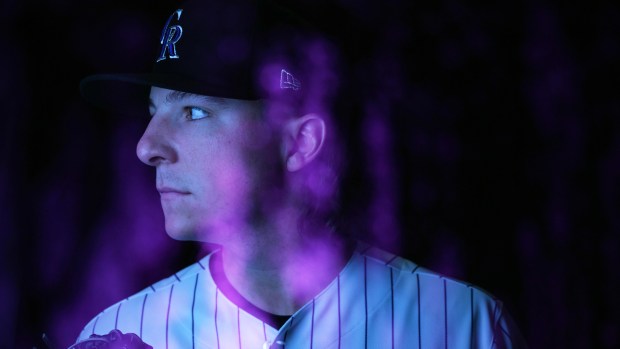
(246, 157)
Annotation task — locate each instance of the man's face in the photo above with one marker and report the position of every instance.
(212, 158)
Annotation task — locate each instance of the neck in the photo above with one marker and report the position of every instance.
(283, 269)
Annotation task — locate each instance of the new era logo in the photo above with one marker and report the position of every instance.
(287, 80)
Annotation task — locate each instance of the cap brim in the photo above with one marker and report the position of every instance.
(117, 92)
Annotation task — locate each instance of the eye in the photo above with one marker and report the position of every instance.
(195, 113)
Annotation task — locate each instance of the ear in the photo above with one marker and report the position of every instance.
(306, 136)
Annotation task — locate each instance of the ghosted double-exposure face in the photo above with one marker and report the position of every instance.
(211, 157)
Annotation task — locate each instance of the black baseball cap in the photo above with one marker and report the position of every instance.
(230, 49)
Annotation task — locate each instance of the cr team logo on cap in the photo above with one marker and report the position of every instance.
(170, 35)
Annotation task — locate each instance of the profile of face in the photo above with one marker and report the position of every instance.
(212, 158)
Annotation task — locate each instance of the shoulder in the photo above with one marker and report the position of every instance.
(429, 297)
(408, 274)
(129, 313)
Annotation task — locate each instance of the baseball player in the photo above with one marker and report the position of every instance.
(246, 157)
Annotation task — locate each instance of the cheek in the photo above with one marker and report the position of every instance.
(224, 175)
(233, 166)
(240, 158)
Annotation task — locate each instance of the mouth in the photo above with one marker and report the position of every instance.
(166, 191)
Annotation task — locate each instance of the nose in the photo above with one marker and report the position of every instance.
(154, 147)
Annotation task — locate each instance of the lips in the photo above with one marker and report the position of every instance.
(171, 191)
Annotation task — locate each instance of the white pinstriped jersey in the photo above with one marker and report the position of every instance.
(377, 301)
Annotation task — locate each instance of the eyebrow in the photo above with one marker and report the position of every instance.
(176, 96)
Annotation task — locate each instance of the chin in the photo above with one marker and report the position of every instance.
(182, 236)
(184, 231)
(181, 232)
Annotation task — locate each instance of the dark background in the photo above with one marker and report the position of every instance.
(489, 141)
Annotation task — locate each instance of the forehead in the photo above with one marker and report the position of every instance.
(161, 95)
